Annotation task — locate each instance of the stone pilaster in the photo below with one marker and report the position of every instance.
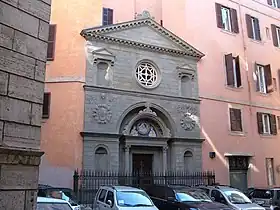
(24, 26)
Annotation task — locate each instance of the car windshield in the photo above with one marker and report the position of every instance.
(192, 196)
(133, 198)
(53, 206)
(236, 197)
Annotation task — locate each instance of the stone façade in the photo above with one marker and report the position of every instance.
(108, 103)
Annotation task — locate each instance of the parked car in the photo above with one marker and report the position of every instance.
(174, 197)
(231, 197)
(268, 198)
(44, 203)
(60, 193)
(122, 197)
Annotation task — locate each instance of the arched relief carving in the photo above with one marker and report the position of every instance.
(167, 119)
(149, 121)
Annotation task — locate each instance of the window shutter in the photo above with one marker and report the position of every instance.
(258, 79)
(278, 121)
(110, 16)
(238, 73)
(51, 42)
(104, 16)
(249, 26)
(273, 124)
(274, 35)
(229, 70)
(234, 21)
(269, 2)
(268, 78)
(219, 15)
(46, 105)
(235, 120)
(259, 122)
(278, 72)
(258, 31)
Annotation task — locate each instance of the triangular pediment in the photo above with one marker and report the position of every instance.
(143, 33)
(102, 51)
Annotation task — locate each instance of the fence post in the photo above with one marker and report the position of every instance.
(76, 181)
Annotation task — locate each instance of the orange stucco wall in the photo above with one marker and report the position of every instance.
(65, 76)
(195, 21)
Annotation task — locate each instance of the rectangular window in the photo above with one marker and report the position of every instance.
(274, 3)
(269, 162)
(51, 42)
(253, 27)
(275, 30)
(226, 18)
(233, 71)
(264, 79)
(266, 123)
(235, 120)
(261, 79)
(46, 106)
(107, 16)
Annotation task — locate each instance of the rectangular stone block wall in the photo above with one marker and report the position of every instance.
(24, 26)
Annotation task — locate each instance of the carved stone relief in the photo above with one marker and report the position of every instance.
(102, 113)
(189, 117)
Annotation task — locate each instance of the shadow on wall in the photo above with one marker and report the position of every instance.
(55, 176)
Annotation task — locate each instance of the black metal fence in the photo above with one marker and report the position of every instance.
(87, 182)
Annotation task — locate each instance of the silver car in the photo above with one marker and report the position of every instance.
(122, 198)
(231, 197)
(52, 204)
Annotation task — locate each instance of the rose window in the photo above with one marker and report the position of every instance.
(147, 75)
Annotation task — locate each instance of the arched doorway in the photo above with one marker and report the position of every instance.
(145, 140)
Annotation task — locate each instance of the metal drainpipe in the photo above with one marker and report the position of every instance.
(248, 82)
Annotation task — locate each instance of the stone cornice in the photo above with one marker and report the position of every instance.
(123, 137)
(14, 156)
(141, 94)
(98, 33)
(141, 45)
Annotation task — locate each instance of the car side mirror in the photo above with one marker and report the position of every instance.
(109, 202)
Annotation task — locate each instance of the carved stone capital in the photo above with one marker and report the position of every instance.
(11, 156)
(127, 148)
(164, 149)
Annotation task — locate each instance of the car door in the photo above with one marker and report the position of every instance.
(110, 199)
(101, 200)
(171, 201)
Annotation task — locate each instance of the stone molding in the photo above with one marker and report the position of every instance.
(13, 156)
(97, 33)
(141, 94)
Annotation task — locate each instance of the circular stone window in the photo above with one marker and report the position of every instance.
(147, 75)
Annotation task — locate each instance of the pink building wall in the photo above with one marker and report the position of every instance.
(195, 21)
